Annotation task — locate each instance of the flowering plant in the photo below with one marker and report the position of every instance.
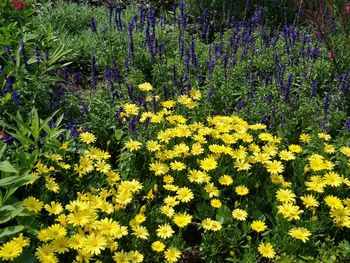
(18, 4)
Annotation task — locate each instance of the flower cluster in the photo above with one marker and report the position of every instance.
(204, 174)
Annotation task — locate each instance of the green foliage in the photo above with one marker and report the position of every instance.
(28, 132)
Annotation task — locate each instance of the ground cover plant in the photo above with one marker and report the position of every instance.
(139, 133)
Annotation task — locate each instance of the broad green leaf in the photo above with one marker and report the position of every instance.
(47, 120)
(59, 120)
(24, 140)
(8, 231)
(23, 127)
(5, 166)
(18, 180)
(54, 134)
(8, 212)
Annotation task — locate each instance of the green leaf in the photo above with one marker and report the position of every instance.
(2, 150)
(224, 215)
(8, 212)
(35, 124)
(20, 123)
(59, 120)
(118, 134)
(5, 166)
(18, 180)
(27, 256)
(23, 140)
(8, 231)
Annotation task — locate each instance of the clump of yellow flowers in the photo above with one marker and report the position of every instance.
(191, 161)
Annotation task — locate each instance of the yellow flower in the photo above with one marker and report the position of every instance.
(158, 168)
(76, 241)
(333, 201)
(266, 250)
(135, 256)
(216, 203)
(329, 148)
(120, 257)
(133, 145)
(168, 179)
(130, 109)
(285, 195)
(242, 165)
(289, 211)
(54, 208)
(21, 241)
(300, 233)
(45, 253)
(209, 224)
(212, 190)
(168, 104)
(257, 126)
(153, 146)
(87, 137)
(103, 167)
(225, 180)
(295, 148)
(64, 146)
(264, 136)
(208, 164)
(274, 167)
(316, 162)
(51, 184)
(345, 150)
(286, 155)
(197, 149)
(172, 254)
(145, 86)
(239, 214)
(324, 136)
(140, 232)
(167, 210)
(107, 227)
(165, 231)
(241, 190)
(316, 184)
(10, 250)
(60, 245)
(182, 219)
(341, 216)
(177, 166)
(56, 231)
(309, 201)
(270, 149)
(195, 94)
(33, 204)
(158, 246)
(305, 137)
(332, 179)
(258, 225)
(184, 194)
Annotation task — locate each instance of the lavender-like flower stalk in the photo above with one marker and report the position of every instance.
(93, 25)
(314, 89)
(131, 41)
(22, 51)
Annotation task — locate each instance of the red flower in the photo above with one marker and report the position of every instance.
(331, 54)
(18, 4)
(346, 8)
